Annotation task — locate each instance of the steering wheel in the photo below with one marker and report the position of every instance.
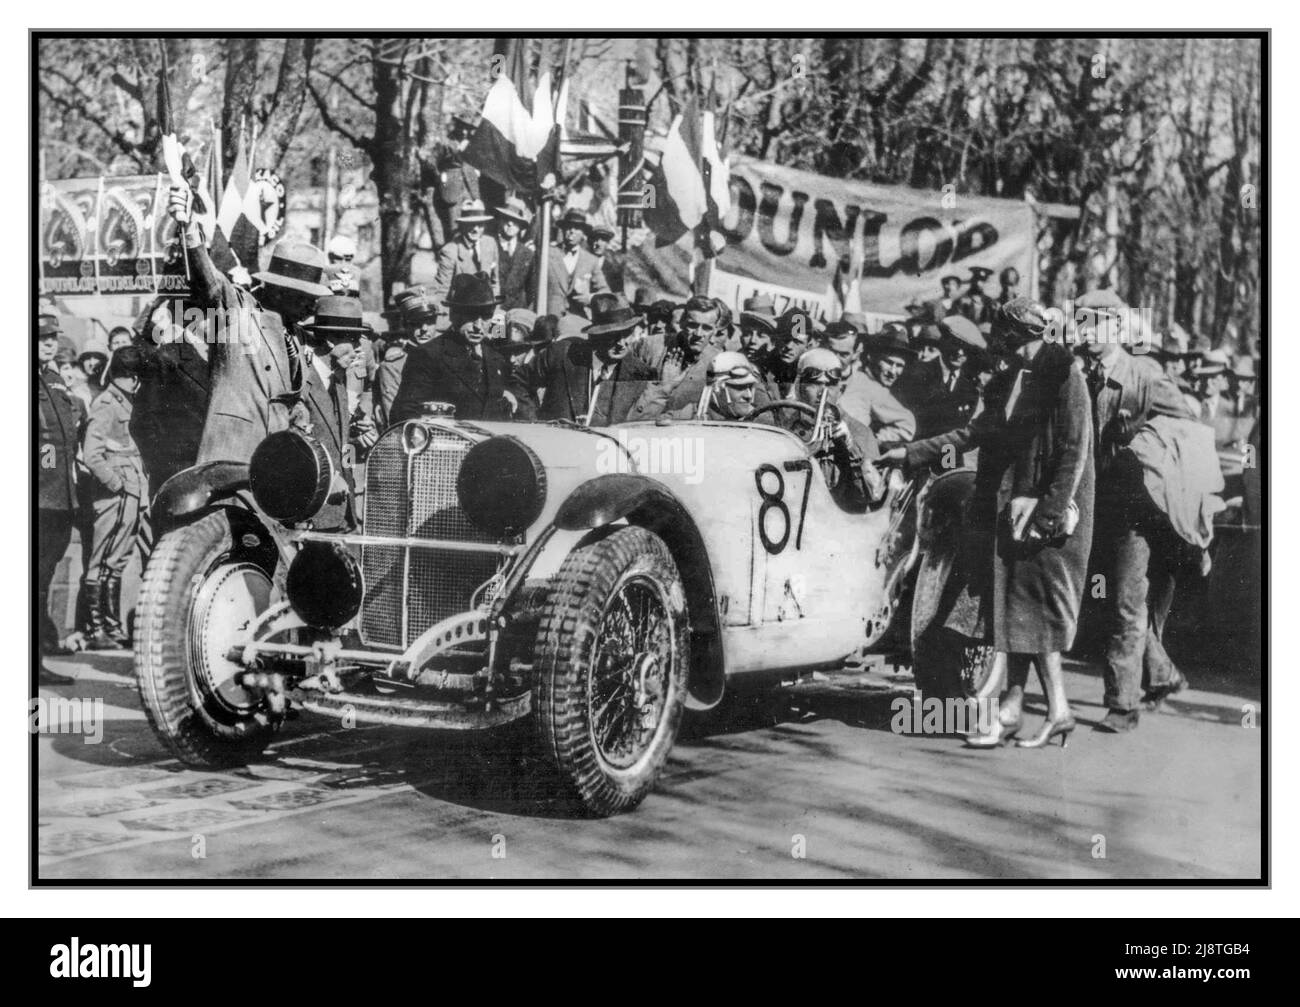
(809, 437)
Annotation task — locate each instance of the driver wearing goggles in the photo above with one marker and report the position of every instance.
(836, 440)
(729, 393)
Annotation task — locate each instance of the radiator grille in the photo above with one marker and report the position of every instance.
(415, 496)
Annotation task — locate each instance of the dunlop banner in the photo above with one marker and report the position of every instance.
(799, 231)
(108, 236)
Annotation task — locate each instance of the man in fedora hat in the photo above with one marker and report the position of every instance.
(473, 252)
(457, 368)
(332, 338)
(757, 326)
(515, 253)
(56, 454)
(573, 275)
(868, 398)
(594, 381)
(415, 315)
(253, 356)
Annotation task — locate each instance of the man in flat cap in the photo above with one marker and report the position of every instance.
(458, 368)
(254, 365)
(515, 254)
(473, 252)
(1143, 541)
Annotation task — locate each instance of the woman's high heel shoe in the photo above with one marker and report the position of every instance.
(1050, 730)
(998, 735)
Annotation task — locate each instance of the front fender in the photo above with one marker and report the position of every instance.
(201, 488)
(610, 498)
(643, 501)
(194, 489)
(941, 507)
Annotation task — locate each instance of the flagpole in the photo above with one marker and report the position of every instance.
(544, 204)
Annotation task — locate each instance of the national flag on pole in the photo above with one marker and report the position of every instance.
(514, 146)
(691, 184)
(236, 240)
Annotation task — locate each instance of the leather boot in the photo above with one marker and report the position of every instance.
(96, 597)
(113, 612)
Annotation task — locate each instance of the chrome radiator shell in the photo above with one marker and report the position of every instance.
(412, 494)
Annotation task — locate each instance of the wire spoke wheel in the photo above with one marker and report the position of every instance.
(629, 673)
(612, 668)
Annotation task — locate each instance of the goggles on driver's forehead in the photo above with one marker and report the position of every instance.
(735, 374)
(817, 376)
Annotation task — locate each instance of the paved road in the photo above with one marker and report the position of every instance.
(822, 790)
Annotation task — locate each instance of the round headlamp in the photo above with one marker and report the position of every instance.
(290, 475)
(324, 584)
(501, 485)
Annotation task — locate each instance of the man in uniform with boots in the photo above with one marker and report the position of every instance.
(56, 453)
(457, 368)
(118, 496)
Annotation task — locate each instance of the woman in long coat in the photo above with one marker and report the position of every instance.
(1030, 517)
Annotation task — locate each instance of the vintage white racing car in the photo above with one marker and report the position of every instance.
(597, 581)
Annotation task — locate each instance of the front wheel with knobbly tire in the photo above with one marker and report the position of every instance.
(199, 593)
(611, 665)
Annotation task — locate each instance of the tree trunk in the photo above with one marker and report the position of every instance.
(392, 172)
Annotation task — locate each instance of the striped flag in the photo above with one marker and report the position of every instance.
(691, 184)
(514, 146)
(236, 240)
